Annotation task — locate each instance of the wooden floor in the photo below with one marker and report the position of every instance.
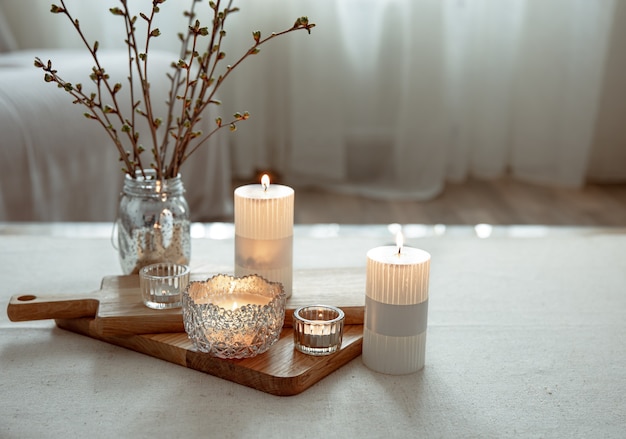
(499, 202)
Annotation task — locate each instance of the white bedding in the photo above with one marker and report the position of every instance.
(57, 166)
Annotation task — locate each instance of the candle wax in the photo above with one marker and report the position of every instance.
(396, 295)
(237, 300)
(397, 278)
(264, 232)
(316, 328)
(169, 289)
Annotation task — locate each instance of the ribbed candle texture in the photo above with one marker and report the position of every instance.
(396, 309)
(264, 233)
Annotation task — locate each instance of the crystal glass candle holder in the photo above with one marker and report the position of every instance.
(318, 329)
(234, 317)
(161, 284)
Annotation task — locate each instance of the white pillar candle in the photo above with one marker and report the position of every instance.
(396, 309)
(264, 232)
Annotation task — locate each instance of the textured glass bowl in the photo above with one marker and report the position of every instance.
(234, 317)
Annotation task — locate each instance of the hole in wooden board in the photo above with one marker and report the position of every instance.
(26, 298)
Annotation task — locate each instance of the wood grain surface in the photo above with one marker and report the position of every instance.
(117, 308)
(280, 371)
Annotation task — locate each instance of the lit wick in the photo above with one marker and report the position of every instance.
(265, 182)
(399, 242)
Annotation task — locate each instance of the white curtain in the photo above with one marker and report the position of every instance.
(395, 97)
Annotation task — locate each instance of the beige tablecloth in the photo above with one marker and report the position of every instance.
(526, 338)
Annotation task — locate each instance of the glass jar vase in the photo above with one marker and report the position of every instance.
(153, 222)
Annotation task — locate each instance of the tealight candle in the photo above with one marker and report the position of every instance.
(396, 309)
(318, 329)
(264, 232)
(235, 301)
(162, 283)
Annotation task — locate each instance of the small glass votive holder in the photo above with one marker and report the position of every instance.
(318, 329)
(162, 283)
(234, 317)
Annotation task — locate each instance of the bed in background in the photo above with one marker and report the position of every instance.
(57, 166)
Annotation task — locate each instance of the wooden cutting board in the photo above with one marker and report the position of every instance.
(117, 309)
(281, 370)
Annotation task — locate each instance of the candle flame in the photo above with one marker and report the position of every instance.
(265, 181)
(399, 241)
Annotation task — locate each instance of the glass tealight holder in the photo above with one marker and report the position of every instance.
(161, 284)
(318, 329)
(234, 317)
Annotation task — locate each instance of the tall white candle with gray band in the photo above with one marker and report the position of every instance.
(396, 309)
(264, 232)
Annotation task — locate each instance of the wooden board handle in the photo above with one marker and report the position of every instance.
(25, 307)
